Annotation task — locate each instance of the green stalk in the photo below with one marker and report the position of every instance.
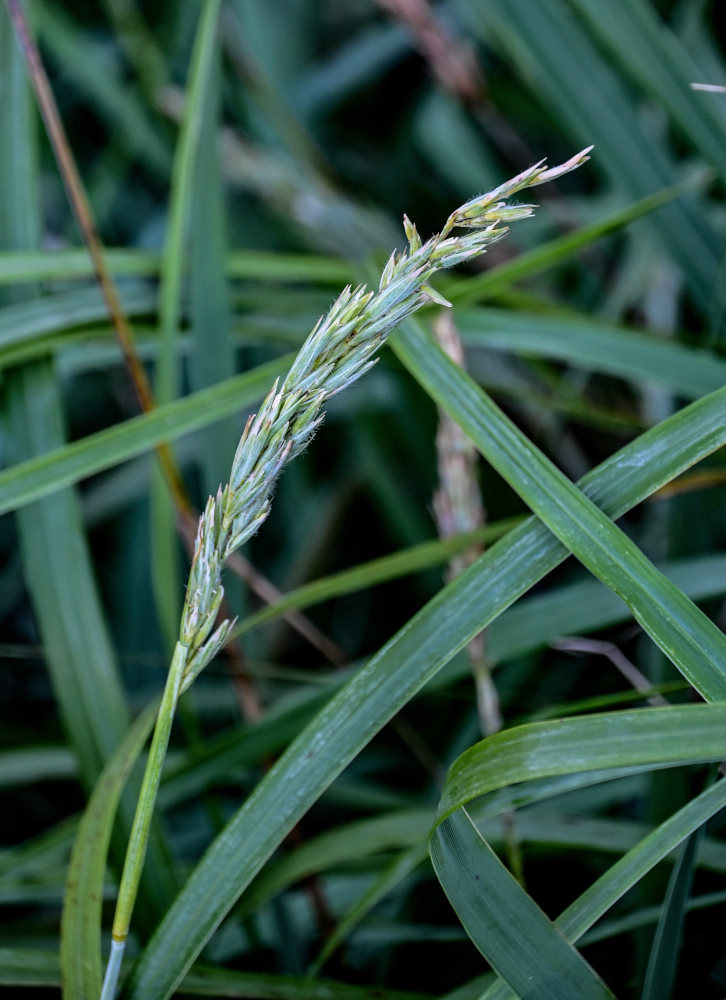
(139, 838)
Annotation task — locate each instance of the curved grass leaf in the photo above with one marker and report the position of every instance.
(504, 922)
(633, 737)
(17, 266)
(591, 742)
(24, 322)
(536, 827)
(39, 967)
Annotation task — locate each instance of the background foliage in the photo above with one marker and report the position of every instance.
(309, 130)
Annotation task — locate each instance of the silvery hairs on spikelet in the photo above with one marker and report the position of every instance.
(338, 351)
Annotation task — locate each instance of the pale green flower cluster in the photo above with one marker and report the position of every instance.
(339, 350)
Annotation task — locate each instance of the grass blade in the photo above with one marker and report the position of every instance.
(165, 562)
(626, 872)
(554, 54)
(505, 924)
(662, 964)
(656, 59)
(69, 463)
(80, 954)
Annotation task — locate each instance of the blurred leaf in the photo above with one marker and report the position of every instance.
(24, 322)
(99, 77)
(45, 265)
(212, 357)
(595, 346)
(56, 560)
(411, 560)
(69, 463)
(165, 567)
(37, 967)
(464, 291)
(654, 57)
(554, 55)
(663, 960)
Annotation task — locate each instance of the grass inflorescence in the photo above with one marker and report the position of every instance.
(338, 351)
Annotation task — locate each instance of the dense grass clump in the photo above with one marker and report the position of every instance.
(404, 744)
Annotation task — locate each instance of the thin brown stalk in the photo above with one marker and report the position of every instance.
(634, 677)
